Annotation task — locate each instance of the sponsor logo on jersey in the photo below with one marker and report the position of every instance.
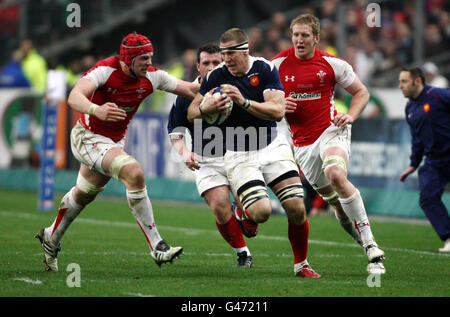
(289, 78)
(306, 96)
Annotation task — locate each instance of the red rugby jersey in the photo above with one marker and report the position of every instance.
(113, 85)
(311, 82)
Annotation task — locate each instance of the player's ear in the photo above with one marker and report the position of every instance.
(316, 39)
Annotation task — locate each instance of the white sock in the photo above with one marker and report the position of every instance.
(298, 266)
(349, 227)
(68, 210)
(242, 249)
(354, 209)
(142, 210)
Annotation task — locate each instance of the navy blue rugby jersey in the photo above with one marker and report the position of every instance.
(429, 119)
(207, 140)
(244, 131)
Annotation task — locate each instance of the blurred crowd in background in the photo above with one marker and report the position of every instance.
(370, 50)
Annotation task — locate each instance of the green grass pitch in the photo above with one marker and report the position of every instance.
(112, 254)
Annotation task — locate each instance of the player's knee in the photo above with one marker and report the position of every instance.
(126, 169)
(221, 209)
(295, 211)
(85, 191)
(134, 175)
(336, 175)
(260, 211)
(335, 161)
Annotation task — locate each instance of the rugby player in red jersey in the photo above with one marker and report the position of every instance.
(321, 136)
(108, 95)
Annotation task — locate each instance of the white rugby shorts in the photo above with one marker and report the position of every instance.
(90, 148)
(265, 165)
(310, 157)
(211, 174)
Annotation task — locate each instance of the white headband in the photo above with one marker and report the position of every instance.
(237, 47)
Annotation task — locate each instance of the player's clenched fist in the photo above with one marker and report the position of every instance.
(109, 111)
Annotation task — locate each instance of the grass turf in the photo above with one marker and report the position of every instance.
(114, 258)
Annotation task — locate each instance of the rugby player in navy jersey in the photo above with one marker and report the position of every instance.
(428, 115)
(256, 156)
(209, 168)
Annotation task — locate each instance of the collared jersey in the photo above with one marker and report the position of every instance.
(248, 132)
(311, 82)
(429, 119)
(113, 85)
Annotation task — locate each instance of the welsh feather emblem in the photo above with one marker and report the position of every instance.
(321, 75)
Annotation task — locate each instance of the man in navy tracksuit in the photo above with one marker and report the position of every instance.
(428, 115)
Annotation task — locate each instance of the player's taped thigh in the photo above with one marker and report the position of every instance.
(334, 160)
(251, 192)
(289, 192)
(86, 187)
(118, 163)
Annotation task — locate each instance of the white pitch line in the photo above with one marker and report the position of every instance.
(138, 295)
(27, 280)
(194, 231)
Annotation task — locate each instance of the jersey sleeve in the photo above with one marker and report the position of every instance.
(177, 121)
(343, 71)
(271, 77)
(99, 74)
(162, 80)
(417, 147)
(444, 96)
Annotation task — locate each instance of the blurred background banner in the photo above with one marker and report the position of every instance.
(380, 153)
(146, 138)
(376, 37)
(47, 156)
(55, 94)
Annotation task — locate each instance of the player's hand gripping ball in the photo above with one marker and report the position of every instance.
(217, 118)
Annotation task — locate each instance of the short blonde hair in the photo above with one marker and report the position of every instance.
(234, 34)
(307, 19)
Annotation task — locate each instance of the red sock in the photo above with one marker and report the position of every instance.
(61, 213)
(298, 236)
(232, 233)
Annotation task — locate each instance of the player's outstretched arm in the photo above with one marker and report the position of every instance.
(79, 101)
(186, 89)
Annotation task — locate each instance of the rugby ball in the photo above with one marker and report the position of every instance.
(218, 117)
